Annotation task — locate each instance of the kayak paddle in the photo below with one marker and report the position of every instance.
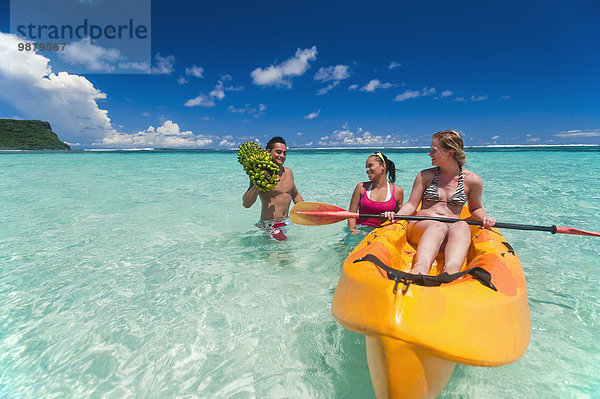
(318, 214)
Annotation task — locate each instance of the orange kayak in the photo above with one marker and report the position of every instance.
(416, 334)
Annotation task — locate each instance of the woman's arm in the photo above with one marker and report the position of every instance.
(475, 185)
(413, 200)
(399, 198)
(416, 193)
(354, 203)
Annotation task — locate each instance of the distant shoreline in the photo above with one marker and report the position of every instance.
(420, 149)
(467, 148)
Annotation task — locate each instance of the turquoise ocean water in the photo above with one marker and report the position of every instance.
(139, 274)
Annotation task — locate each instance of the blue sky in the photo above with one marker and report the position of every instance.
(323, 74)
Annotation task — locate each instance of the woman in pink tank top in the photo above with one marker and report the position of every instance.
(377, 195)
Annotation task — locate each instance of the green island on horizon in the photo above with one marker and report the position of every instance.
(29, 135)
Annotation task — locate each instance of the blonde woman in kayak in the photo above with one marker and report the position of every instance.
(442, 191)
(377, 195)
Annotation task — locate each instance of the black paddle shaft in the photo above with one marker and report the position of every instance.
(550, 229)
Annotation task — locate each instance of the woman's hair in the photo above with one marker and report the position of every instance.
(391, 168)
(451, 140)
(276, 139)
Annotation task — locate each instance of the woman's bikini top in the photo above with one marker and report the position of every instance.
(458, 198)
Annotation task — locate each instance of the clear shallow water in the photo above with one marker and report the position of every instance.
(141, 275)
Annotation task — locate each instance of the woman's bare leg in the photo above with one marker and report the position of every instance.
(457, 246)
(429, 235)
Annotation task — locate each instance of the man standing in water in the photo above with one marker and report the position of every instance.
(276, 202)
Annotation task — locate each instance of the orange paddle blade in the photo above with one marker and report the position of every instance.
(571, 230)
(317, 214)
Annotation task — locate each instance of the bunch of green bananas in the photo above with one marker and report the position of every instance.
(259, 165)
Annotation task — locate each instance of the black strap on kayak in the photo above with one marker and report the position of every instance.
(478, 273)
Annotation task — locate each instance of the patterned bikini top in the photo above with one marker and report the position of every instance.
(458, 198)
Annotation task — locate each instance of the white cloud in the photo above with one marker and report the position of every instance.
(353, 87)
(280, 75)
(479, 98)
(327, 89)
(375, 84)
(195, 71)
(578, 133)
(332, 74)
(182, 80)
(168, 135)
(408, 94)
(97, 58)
(495, 137)
(92, 57)
(313, 115)
(164, 65)
(428, 91)
(67, 101)
(200, 100)
(444, 94)
(227, 77)
(394, 65)
(218, 93)
(145, 113)
(338, 72)
(234, 88)
(138, 66)
(226, 143)
(347, 137)
(235, 110)
(256, 112)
